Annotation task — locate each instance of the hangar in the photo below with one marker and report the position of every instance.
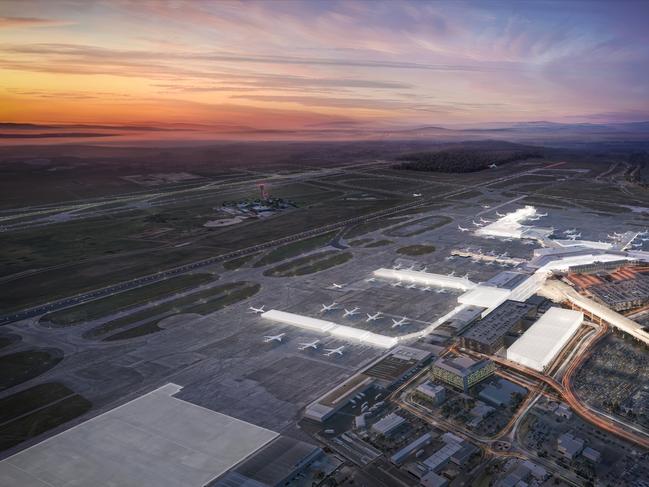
(545, 338)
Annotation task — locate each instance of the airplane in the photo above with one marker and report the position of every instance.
(337, 286)
(612, 237)
(500, 214)
(462, 229)
(257, 310)
(465, 276)
(427, 288)
(570, 230)
(398, 323)
(274, 338)
(411, 286)
(493, 166)
(644, 239)
(486, 206)
(424, 269)
(416, 195)
(397, 267)
(328, 307)
(451, 274)
(476, 224)
(574, 236)
(331, 351)
(371, 279)
(490, 237)
(396, 284)
(534, 218)
(636, 246)
(450, 257)
(441, 290)
(350, 312)
(306, 346)
(411, 267)
(541, 215)
(484, 221)
(373, 317)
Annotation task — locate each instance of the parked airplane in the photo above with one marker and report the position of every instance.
(331, 351)
(305, 346)
(337, 286)
(257, 310)
(462, 229)
(500, 214)
(636, 246)
(441, 290)
(398, 323)
(412, 285)
(476, 224)
(328, 307)
(416, 195)
(373, 317)
(541, 215)
(570, 230)
(493, 166)
(396, 284)
(486, 206)
(451, 274)
(350, 312)
(371, 279)
(411, 267)
(274, 338)
(397, 267)
(465, 276)
(426, 288)
(484, 221)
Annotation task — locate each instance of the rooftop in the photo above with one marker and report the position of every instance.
(499, 322)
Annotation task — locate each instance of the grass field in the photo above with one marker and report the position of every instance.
(414, 250)
(9, 339)
(33, 398)
(233, 264)
(359, 242)
(372, 226)
(417, 227)
(378, 243)
(295, 248)
(202, 302)
(19, 367)
(106, 306)
(309, 264)
(40, 421)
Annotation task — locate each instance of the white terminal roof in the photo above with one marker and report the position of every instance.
(322, 326)
(426, 278)
(510, 225)
(484, 296)
(544, 339)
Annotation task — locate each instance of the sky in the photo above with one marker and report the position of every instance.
(306, 64)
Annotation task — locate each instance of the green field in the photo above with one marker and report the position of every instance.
(309, 264)
(414, 250)
(202, 302)
(295, 248)
(233, 264)
(8, 340)
(372, 226)
(111, 304)
(19, 367)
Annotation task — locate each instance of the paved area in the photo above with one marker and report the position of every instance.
(155, 440)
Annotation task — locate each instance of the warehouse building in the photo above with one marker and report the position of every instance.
(488, 334)
(388, 424)
(462, 372)
(544, 340)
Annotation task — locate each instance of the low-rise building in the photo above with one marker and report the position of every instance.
(501, 393)
(569, 445)
(399, 457)
(591, 454)
(462, 372)
(431, 392)
(431, 479)
(388, 424)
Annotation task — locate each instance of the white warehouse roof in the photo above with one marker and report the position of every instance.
(426, 278)
(484, 296)
(544, 339)
(322, 326)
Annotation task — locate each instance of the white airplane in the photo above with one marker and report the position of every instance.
(331, 351)
(462, 229)
(398, 323)
(396, 284)
(306, 346)
(337, 286)
(373, 317)
(644, 239)
(612, 237)
(500, 214)
(476, 224)
(426, 288)
(350, 312)
(534, 218)
(328, 307)
(441, 290)
(412, 285)
(397, 267)
(465, 276)
(574, 236)
(416, 195)
(492, 166)
(484, 221)
(424, 269)
(371, 279)
(486, 206)
(636, 246)
(257, 310)
(570, 230)
(541, 215)
(274, 338)
(411, 267)
(451, 274)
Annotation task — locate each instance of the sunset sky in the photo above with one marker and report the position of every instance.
(291, 64)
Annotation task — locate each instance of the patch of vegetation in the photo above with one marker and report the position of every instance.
(33, 398)
(378, 243)
(359, 242)
(416, 250)
(466, 160)
(40, 421)
(202, 302)
(309, 264)
(295, 248)
(105, 306)
(137, 331)
(372, 226)
(8, 340)
(20, 367)
(418, 226)
(233, 264)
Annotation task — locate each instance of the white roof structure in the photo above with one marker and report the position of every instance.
(322, 326)
(484, 296)
(426, 278)
(510, 225)
(583, 243)
(544, 339)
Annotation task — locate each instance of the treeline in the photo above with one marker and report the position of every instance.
(460, 161)
(639, 171)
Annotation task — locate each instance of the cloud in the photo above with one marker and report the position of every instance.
(14, 22)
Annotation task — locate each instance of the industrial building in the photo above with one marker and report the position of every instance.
(488, 334)
(388, 424)
(501, 393)
(399, 457)
(569, 445)
(544, 339)
(462, 372)
(272, 466)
